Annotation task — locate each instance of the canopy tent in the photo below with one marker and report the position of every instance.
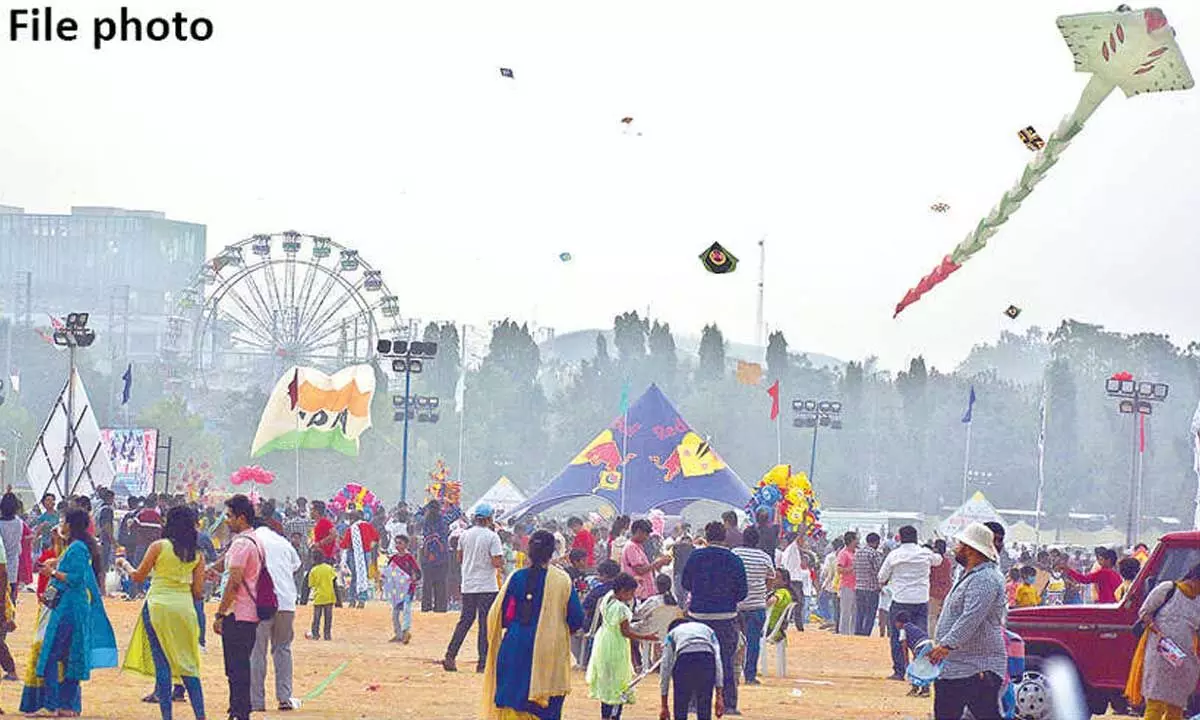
(645, 459)
(503, 496)
(977, 509)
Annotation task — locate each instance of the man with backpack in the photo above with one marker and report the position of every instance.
(236, 619)
(435, 559)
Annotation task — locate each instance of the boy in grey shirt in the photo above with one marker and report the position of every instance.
(692, 658)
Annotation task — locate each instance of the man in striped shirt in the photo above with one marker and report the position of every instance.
(752, 612)
(867, 561)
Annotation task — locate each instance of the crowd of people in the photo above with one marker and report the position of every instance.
(617, 599)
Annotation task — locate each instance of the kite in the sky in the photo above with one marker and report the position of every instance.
(507, 72)
(1134, 50)
(626, 121)
(718, 260)
(1013, 312)
(940, 207)
(1032, 140)
(565, 257)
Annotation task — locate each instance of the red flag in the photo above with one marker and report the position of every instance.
(294, 389)
(1142, 433)
(773, 391)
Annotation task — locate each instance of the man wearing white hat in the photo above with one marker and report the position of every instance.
(970, 632)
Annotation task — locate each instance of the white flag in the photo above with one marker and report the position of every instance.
(14, 380)
(460, 390)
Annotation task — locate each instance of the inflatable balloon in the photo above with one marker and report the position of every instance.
(354, 497)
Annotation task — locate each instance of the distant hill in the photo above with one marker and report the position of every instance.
(573, 347)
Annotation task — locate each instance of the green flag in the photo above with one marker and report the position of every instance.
(625, 397)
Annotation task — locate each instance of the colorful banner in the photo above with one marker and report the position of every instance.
(132, 452)
(309, 409)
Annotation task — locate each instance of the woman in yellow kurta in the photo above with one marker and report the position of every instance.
(166, 640)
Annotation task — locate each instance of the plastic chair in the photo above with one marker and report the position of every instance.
(657, 622)
(778, 630)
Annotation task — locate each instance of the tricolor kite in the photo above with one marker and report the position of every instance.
(1134, 50)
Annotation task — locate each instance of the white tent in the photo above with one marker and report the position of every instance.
(503, 496)
(977, 509)
(91, 466)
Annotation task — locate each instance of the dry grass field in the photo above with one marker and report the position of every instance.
(385, 680)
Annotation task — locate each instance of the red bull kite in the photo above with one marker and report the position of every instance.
(1134, 50)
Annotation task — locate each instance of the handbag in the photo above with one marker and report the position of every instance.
(1139, 627)
(51, 597)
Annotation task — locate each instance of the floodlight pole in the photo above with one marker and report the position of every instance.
(404, 446)
(68, 486)
(812, 460)
(1132, 521)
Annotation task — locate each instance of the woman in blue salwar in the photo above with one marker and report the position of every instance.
(79, 637)
(528, 670)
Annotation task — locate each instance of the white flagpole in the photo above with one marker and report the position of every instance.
(461, 401)
(1041, 472)
(779, 438)
(967, 460)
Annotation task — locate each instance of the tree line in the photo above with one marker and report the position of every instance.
(525, 413)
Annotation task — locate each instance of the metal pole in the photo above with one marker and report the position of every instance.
(404, 447)
(16, 447)
(1137, 521)
(759, 336)
(1037, 528)
(812, 461)
(297, 453)
(1131, 520)
(624, 456)
(68, 485)
(779, 439)
(462, 378)
(967, 463)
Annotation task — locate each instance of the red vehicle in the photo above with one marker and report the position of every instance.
(1097, 638)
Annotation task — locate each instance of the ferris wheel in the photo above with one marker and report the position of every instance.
(273, 301)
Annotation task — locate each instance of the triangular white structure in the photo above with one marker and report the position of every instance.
(977, 509)
(90, 465)
(503, 496)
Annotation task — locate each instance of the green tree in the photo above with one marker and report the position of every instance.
(663, 360)
(711, 367)
(778, 363)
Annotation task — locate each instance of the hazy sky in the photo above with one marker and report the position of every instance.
(830, 128)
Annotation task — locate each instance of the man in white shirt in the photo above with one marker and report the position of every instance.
(906, 571)
(481, 554)
(277, 631)
(796, 560)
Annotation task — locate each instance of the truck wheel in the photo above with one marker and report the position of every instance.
(1097, 700)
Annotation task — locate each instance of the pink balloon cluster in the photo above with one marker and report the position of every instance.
(252, 474)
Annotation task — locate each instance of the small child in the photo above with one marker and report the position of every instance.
(400, 585)
(577, 571)
(1010, 586)
(606, 572)
(324, 595)
(1056, 589)
(778, 603)
(610, 668)
(1027, 595)
(1129, 568)
(911, 635)
(662, 584)
(692, 658)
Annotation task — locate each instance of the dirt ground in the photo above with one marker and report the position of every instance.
(410, 685)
